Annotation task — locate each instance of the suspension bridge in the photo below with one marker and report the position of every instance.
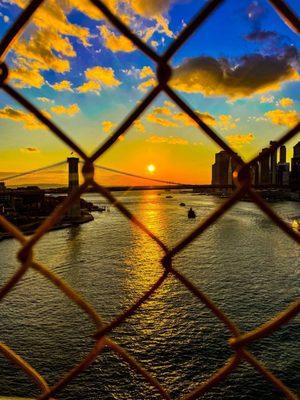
(152, 182)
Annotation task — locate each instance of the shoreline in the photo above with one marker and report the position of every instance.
(84, 219)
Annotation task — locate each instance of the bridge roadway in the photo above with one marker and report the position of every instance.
(196, 188)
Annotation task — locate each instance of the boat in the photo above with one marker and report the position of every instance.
(169, 197)
(182, 204)
(191, 213)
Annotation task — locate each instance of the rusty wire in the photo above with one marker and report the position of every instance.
(239, 340)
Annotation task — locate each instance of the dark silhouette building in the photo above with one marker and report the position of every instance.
(282, 155)
(295, 168)
(222, 169)
(273, 164)
(74, 211)
(266, 172)
(264, 169)
(255, 174)
(283, 169)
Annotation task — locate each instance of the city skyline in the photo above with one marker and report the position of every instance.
(274, 170)
(87, 77)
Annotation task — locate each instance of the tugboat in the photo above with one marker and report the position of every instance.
(191, 213)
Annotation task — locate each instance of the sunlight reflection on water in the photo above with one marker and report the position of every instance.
(244, 263)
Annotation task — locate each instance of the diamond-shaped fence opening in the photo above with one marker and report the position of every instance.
(239, 340)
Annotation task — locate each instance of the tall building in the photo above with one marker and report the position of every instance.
(283, 168)
(283, 174)
(295, 168)
(273, 164)
(221, 169)
(74, 210)
(264, 169)
(255, 174)
(282, 155)
(267, 171)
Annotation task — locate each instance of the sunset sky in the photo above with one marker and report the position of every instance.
(240, 71)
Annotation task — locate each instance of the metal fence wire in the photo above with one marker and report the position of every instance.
(239, 340)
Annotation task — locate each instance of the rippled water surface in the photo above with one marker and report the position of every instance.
(244, 263)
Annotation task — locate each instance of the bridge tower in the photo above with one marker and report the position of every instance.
(74, 211)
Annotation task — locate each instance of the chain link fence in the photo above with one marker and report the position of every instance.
(239, 340)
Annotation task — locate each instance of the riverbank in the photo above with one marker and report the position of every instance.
(29, 229)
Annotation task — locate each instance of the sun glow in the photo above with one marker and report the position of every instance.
(151, 168)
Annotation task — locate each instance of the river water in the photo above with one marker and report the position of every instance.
(244, 263)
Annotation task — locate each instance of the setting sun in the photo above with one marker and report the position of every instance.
(151, 168)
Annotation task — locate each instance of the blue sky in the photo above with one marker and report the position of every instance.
(240, 71)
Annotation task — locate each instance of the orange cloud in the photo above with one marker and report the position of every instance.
(37, 54)
(146, 71)
(107, 126)
(282, 117)
(162, 110)
(47, 47)
(90, 86)
(250, 75)
(188, 121)
(174, 118)
(161, 121)
(226, 122)
(286, 102)
(167, 139)
(62, 86)
(87, 8)
(28, 120)
(153, 9)
(144, 86)
(170, 104)
(51, 14)
(115, 42)
(25, 76)
(149, 8)
(97, 77)
(70, 110)
(240, 140)
(139, 125)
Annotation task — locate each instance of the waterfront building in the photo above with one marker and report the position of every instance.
(255, 174)
(264, 169)
(28, 200)
(283, 174)
(222, 169)
(295, 168)
(282, 155)
(266, 172)
(273, 164)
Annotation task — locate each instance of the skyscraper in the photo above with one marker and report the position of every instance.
(283, 168)
(264, 169)
(222, 169)
(273, 164)
(295, 168)
(282, 156)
